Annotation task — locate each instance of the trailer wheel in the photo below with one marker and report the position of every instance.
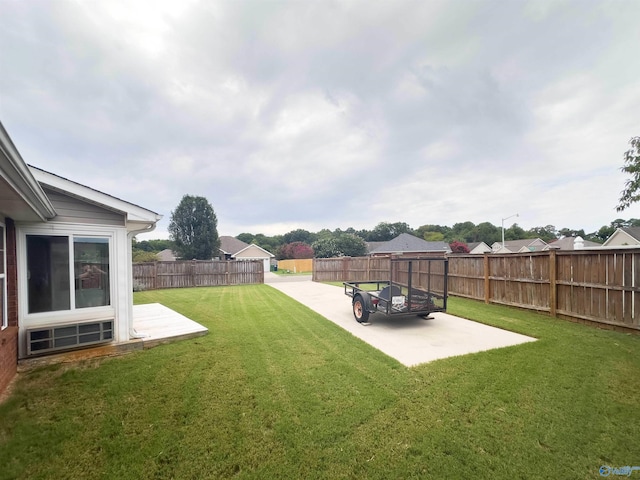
(360, 311)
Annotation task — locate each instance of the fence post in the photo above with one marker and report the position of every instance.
(553, 278)
(487, 282)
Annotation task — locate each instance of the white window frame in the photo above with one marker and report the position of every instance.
(3, 276)
(73, 313)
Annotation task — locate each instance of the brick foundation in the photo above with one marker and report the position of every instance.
(8, 355)
(9, 336)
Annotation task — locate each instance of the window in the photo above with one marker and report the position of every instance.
(91, 267)
(52, 261)
(3, 276)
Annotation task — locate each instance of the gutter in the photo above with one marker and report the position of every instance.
(130, 234)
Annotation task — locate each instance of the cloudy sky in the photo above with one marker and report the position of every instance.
(331, 114)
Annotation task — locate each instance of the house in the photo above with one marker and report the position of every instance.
(519, 246)
(65, 263)
(233, 249)
(410, 245)
(371, 246)
(571, 243)
(166, 255)
(479, 248)
(230, 245)
(624, 237)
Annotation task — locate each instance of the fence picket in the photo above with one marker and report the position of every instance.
(196, 273)
(590, 286)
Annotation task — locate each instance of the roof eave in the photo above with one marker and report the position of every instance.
(134, 214)
(17, 174)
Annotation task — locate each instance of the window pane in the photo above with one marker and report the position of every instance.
(48, 273)
(91, 265)
(2, 252)
(2, 307)
(3, 261)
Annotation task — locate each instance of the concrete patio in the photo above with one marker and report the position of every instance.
(410, 340)
(154, 323)
(160, 324)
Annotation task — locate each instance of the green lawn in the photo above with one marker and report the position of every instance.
(276, 391)
(287, 273)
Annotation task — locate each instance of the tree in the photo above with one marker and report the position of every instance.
(141, 256)
(432, 233)
(351, 245)
(295, 250)
(546, 234)
(384, 231)
(462, 231)
(271, 244)
(571, 232)
(245, 237)
(631, 165)
(325, 247)
(194, 229)
(433, 236)
(340, 245)
(514, 232)
(299, 235)
(486, 232)
(458, 247)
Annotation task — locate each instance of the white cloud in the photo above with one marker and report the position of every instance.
(330, 114)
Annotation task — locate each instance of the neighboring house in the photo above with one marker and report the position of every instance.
(254, 252)
(65, 262)
(571, 243)
(233, 249)
(519, 246)
(371, 246)
(623, 237)
(229, 246)
(408, 245)
(479, 248)
(166, 255)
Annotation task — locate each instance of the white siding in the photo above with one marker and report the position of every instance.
(73, 210)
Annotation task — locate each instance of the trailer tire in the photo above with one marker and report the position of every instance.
(361, 308)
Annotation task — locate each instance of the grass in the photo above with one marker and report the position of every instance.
(285, 272)
(276, 391)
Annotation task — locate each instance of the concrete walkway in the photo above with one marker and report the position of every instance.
(160, 324)
(410, 340)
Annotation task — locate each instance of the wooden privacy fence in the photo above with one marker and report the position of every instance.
(350, 269)
(297, 265)
(599, 286)
(196, 273)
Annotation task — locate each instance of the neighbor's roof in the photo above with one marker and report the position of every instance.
(633, 231)
(231, 245)
(253, 246)
(409, 243)
(166, 255)
(371, 246)
(567, 243)
(531, 244)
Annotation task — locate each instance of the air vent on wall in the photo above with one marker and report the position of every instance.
(64, 337)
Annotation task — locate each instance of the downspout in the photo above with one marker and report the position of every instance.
(132, 332)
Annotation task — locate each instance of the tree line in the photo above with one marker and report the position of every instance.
(326, 243)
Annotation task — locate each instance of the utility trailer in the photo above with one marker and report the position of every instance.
(415, 287)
